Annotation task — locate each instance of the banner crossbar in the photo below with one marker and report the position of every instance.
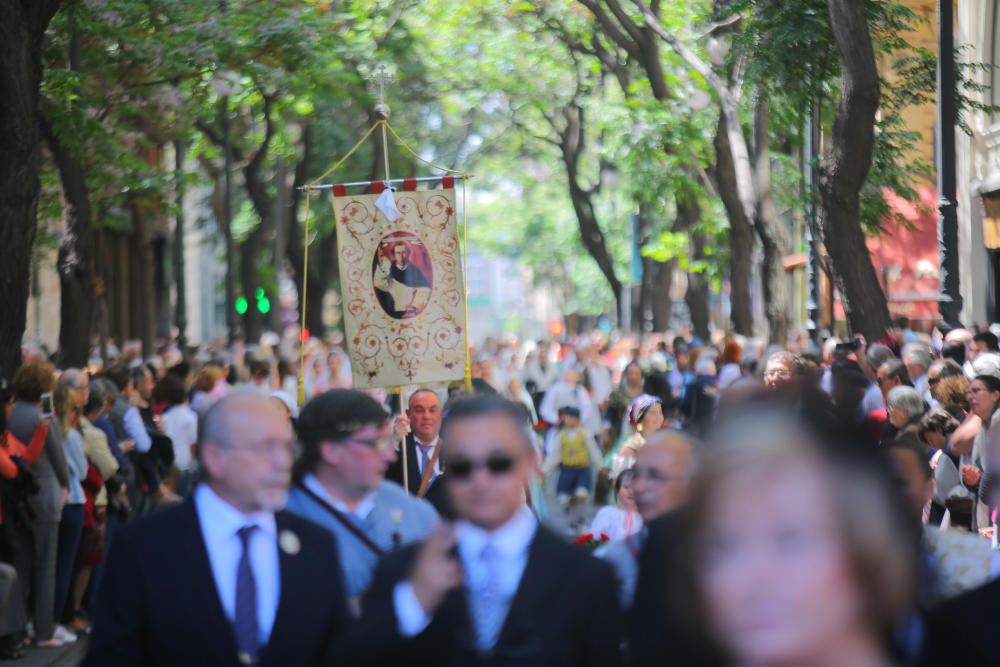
(422, 179)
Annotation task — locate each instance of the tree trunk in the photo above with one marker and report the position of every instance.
(142, 286)
(769, 229)
(571, 143)
(22, 29)
(696, 296)
(75, 262)
(843, 171)
(663, 307)
(740, 233)
(180, 284)
(250, 249)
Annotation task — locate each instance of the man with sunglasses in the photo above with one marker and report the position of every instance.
(496, 587)
(340, 483)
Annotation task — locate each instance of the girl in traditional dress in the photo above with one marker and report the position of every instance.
(645, 416)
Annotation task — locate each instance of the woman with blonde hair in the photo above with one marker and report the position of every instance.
(795, 553)
(68, 406)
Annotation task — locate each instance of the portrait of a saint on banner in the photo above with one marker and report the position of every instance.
(402, 288)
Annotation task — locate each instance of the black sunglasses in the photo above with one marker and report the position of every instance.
(462, 468)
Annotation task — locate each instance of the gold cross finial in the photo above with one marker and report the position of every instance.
(380, 77)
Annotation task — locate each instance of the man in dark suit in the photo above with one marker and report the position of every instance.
(420, 433)
(963, 631)
(225, 578)
(496, 588)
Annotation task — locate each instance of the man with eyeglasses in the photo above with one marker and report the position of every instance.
(226, 578)
(340, 483)
(786, 378)
(496, 587)
(660, 475)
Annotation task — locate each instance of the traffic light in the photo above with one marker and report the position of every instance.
(264, 305)
(241, 305)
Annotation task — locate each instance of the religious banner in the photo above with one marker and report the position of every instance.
(402, 285)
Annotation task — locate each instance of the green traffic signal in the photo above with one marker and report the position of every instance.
(264, 305)
(241, 305)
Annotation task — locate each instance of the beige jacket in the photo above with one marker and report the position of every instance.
(95, 446)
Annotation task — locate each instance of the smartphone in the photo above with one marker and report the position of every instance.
(47, 404)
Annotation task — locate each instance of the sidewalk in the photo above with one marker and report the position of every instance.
(69, 655)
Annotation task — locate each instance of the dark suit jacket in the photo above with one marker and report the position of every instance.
(657, 635)
(159, 605)
(437, 492)
(963, 631)
(564, 614)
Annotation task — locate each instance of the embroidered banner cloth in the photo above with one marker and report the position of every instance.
(402, 288)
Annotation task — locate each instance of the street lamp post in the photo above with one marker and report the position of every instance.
(950, 306)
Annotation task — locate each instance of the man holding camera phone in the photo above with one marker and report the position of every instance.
(495, 587)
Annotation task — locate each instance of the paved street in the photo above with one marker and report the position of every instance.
(67, 656)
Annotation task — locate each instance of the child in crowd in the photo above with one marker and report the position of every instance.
(574, 452)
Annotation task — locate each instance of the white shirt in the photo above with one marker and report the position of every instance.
(616, 523)
(220, 524)
(180, 424)
(512, 540)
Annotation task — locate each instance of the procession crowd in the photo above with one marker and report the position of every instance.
(589, 501)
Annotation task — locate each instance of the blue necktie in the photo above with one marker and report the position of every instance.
(245, 622)
(489, 608)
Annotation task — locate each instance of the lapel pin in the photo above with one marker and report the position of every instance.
(289, 542)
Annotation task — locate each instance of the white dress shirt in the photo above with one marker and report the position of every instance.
(512, 540)
(220, 524)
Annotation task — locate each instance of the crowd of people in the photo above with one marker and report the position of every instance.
(580, 502)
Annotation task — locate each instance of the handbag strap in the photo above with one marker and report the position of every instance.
(342, 520)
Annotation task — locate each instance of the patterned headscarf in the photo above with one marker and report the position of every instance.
(640, 406)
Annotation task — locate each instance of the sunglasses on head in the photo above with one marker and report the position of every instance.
(496, 465)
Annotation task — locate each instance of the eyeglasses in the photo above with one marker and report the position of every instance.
(496, 465)
(654, 475)
(974, 391)
(267, 448)
(933, 381)
(784, 375)
(379, 444)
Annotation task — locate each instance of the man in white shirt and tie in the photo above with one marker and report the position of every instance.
(418, 433)
(495, 588)
(226, 578)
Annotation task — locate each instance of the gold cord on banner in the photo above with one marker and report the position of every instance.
(305, 260)
(384, 124)
(465, 247)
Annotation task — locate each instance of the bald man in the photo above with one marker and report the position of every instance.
(661, 472)
(226, 578)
